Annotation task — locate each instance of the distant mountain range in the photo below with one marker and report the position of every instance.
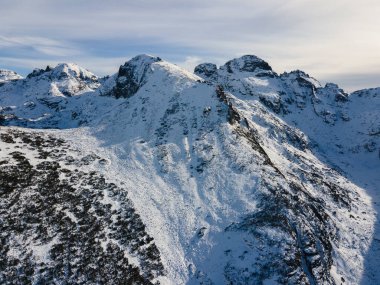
(155, 175)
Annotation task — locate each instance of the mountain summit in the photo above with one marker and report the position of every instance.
(155, 175)
(8, 75)
(246, 63)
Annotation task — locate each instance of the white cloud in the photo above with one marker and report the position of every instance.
(190, 62)
(42, 45)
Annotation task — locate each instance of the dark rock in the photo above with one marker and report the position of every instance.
(36, 72)
(246, 63)
(131, 75)
(207, 71)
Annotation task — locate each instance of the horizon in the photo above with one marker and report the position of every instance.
(332, 42)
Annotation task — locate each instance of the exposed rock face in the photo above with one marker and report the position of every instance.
(302, 78)
(246, 63)
(208, 71)
(131, 75)
(36, 72)
(340, 95)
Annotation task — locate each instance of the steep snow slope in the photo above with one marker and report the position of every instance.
(228, 172)
(342, 129)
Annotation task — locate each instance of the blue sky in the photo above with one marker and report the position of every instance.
(335, 41)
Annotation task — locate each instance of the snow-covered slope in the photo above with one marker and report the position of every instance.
(342, 128)
(45, 93)
(8, 75)
(61, 225)
(240, 175)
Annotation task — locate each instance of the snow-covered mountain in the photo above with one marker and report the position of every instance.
(8, 75)
(230, 175)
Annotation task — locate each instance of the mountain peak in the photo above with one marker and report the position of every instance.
(206, 70)
(250, 64)
(246, 63)
(65, 79)
(132, 74)
(71, 70)
(64, 71)
(302, 77)
(137, 71)
(8, 75)
(137, 67)
(144, 59)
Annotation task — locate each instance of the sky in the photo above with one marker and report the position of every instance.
(334, 41)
